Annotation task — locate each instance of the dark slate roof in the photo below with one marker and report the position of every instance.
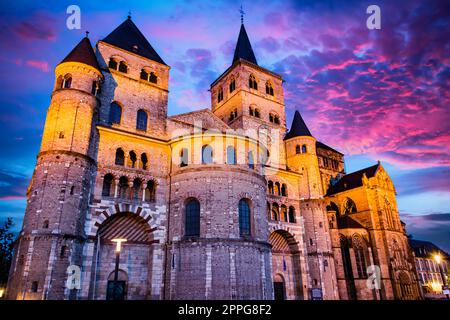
(244, 48)
(127, 35)
(346, 222)
(83, 53)
(353, 180)
(298, 127)
(426, 249)
(324, 146)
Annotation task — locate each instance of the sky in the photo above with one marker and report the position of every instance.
(372, 94)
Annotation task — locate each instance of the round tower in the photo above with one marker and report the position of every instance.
(52, 236)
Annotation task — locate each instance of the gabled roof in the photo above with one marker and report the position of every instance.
(83, 53)
(208, 119)
(298, 127)
(128, 37)
(243, 48)
(324, 146)
(426, 249)
(353, 180)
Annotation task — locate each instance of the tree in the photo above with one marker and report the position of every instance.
(6, 249)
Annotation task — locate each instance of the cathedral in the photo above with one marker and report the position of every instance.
(225, 202)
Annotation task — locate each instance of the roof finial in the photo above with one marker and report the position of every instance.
(129, 14)
(242, 14)
(87, 34)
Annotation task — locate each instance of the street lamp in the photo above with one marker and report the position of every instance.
(118, 242)
(438, 259)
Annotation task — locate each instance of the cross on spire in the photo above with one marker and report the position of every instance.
(129, 14)
(87, 34)
(241, 11)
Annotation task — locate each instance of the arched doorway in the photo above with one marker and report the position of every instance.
(135, 260)
(117, 290)
(279, 289)
(286, 267)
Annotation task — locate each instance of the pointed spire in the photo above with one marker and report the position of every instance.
(298, 127)
(244, 48)
(83, 53)
(127, 36)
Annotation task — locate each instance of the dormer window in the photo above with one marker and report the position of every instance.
(252, 82)
(232, 84)
(269, 88)
(233, 115)
(220, 95)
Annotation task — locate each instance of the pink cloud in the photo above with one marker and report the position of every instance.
(41, 65)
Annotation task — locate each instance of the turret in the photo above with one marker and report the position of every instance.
(69, 119)
(301, 157)
(53, 234)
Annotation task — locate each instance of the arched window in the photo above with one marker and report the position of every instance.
(251, 111)
(45, 224)
(133, 159)
(257, 113)
(275, 212)
(184, 157)
(233, 114)
(389, 216)
(252, 82)
(304, 148)
(251, 160)
(231, 155)
(277, 189)
(207, 154)
(244, 217)
(284, 190)
(59, 82)
(152, 78)
(141, 120)
(269, 88)
(271, 117)
(108, 180)
(297, 149)
(150, 191)
(276, 119)
(144, 161)
(232, 84)
(270, 187)
(137, 184)
(291, 214)
(115, 113)
(192, 218)
(220, 95)
(144, 75)
(123, 67)
(67, 81)
(283, 214)
(333, 207)
(349, 206)
(95, 90)
(123, 187)
(120, 157)
(113, 64)
(358, 248)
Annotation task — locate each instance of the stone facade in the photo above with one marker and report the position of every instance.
(214, 204)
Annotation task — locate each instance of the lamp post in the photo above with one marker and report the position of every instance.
(438, 259)
(118, 242)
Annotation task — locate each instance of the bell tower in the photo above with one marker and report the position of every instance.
(53, 234)
(247, 95)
